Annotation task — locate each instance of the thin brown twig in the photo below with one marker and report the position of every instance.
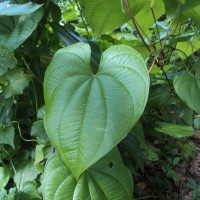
(164, 43)
(173, 37)
(152, 11)
(136, 25)
(152, 64)
(175, 49)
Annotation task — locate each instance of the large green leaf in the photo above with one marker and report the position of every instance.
(106, 15)
(107, 179)
(187, 87)
(15, 30)
(88, 114)
(16, 9)
(7, 60)
(175, 130)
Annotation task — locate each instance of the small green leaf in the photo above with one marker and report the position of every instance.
(152, 152)
(159, 94)
(41, 112)
(30, 190)
(4, 177)
(7, 135)
(187, 87)
(4, 195)
(16, 81)
(39, 132)
(39, 156)
(175, 130)
(88, 114)
(24, 174)
(7, 60)
(107, 179)
(17, 9)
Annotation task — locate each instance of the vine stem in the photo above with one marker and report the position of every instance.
(26, 64)
(161, 53)
(83, 19)
(154, 18)
(136, 25)
(171, 88)
(175, 49)
(152, 64)
(20, 133)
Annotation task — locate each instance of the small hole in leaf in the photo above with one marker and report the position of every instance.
(110, 165)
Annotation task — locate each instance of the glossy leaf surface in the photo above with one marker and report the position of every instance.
(88, 114)
(107, 179)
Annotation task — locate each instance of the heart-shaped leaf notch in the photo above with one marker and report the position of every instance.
(88, 114)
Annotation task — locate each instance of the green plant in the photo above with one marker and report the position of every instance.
(94, 110)
(98, 100)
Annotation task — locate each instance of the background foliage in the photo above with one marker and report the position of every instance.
(159, 149)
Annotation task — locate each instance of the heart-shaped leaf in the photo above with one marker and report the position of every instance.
(88, 114)
(187, 87)
(107, 179)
